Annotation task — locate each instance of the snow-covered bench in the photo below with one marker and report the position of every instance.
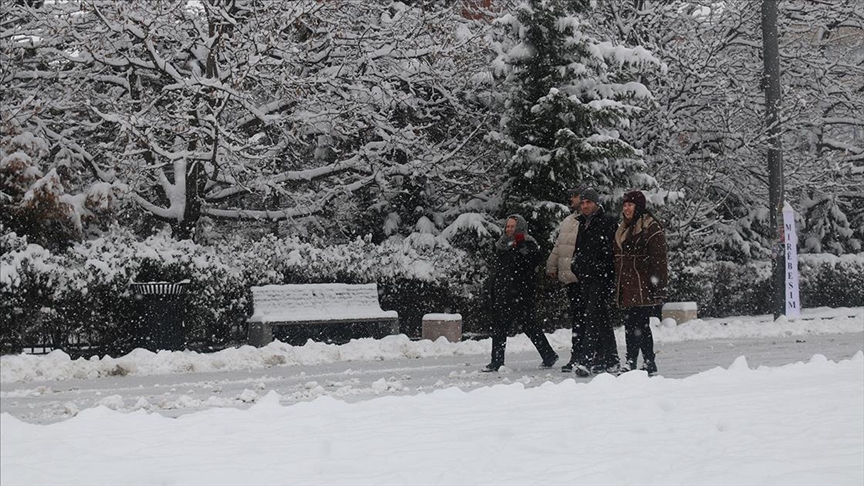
(302, 304)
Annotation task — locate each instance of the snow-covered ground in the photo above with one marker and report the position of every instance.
(58, 365)
(739, 401)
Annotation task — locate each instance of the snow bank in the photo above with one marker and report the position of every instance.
(796, 424)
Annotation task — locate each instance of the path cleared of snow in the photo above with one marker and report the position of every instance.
(58, 365)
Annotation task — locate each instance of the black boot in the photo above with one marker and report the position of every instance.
(491, 367)
(650, 367)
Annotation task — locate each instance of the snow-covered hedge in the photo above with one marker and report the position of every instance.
(724, 288)
(84, 291)
(831, 280)
(412, 278)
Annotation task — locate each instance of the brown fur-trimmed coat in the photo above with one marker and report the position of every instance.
(640, 262)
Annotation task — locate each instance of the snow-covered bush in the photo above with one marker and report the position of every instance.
(33, 201)
(83, 293)
(723, 288)
(412, 278)
(215, 300)
(832, 281)
(26, 278)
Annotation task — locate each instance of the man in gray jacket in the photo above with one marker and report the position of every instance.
(558, 265)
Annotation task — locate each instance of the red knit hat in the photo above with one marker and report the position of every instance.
(637, 198)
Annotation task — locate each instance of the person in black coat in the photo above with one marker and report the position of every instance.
(514, 292)
(594, 264)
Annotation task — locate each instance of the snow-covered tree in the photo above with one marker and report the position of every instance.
(353, 117)
(33, 201)
(309, 112)
(568, 96)
(706, 141)
(823, 48)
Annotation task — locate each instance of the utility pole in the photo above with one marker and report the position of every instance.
(771, 84)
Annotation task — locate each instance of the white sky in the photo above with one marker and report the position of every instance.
(800, 423)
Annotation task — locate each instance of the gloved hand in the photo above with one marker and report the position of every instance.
(518, 238)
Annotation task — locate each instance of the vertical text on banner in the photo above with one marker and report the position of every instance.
(790, 245)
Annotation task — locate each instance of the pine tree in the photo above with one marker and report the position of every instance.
(568, 96)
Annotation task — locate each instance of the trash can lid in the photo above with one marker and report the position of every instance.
(160, 288)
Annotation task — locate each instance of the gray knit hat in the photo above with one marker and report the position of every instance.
(591, 195)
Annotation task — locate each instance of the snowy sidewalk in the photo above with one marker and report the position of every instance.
(742, 401)
(794, 424)
(58, 365)
(176, 383)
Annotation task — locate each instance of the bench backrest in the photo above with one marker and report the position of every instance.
(303, 302)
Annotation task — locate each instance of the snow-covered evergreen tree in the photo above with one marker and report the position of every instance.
(568, 96)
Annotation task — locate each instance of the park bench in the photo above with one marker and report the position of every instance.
(308, 304)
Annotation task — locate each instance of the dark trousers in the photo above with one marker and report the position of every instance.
(577, 317)
(637, 330)
(598, 342)
(521, 315)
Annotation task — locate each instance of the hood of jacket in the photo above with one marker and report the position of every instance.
(505, 241)
(521, 224)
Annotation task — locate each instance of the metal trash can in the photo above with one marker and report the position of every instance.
(159, 311)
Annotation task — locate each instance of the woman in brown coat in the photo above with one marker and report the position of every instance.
(642, 276)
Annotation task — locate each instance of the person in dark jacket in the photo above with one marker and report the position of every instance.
(514, 291)
(560, 265)
(642, 274)
(594, 265)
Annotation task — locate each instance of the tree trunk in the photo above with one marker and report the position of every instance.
(185, 229)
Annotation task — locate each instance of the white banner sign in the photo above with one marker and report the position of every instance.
(790, 244)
